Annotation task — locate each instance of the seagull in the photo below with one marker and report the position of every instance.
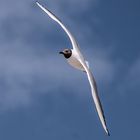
(75, 58)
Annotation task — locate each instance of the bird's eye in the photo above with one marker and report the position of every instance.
(66, 51)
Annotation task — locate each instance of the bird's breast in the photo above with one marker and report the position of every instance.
(74, 62)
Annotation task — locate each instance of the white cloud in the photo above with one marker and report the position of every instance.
(25, 70)
(130, 82)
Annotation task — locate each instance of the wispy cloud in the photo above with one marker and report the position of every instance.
(24, 70)
(29, 58)
(130, 81)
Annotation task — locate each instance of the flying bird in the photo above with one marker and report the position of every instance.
(75, 58)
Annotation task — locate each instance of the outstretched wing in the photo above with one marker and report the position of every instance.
(82, 61)
(95, 96)
(51, 15)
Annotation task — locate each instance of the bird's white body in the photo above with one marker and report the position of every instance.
(74, 61)
(77, 61)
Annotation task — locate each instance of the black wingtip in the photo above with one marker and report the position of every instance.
(37, 3)
(108, 134)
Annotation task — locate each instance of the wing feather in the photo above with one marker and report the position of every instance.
(96, 98)
(51, 15)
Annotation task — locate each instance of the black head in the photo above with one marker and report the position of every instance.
(67, 53)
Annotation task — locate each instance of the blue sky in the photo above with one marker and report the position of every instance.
(42, 97)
